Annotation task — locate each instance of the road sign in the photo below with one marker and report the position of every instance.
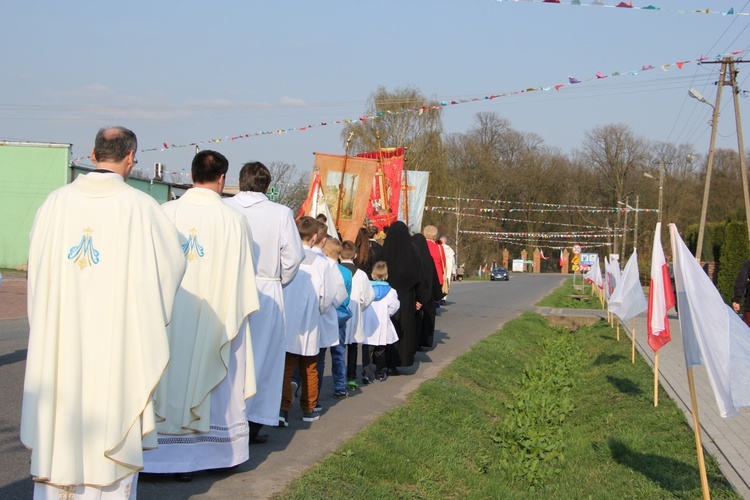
(576, 249)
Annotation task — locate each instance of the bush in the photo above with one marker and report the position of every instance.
(734, 252)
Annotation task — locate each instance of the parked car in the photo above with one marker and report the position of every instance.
(499, 274)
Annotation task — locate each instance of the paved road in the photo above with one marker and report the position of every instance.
(474, 310)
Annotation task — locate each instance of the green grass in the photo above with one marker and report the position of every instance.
(443, 443)
(561, 297)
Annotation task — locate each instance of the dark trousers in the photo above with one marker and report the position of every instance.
(351, 361)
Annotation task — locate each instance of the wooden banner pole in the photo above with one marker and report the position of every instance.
(697, 430)
(618, 330)
(656, 379)
(632, 347)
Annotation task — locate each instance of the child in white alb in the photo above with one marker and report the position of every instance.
(360, 298)
(379, 329)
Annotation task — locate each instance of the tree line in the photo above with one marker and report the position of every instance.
(611, 167)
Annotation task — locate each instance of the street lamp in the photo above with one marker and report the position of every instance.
(697, 95)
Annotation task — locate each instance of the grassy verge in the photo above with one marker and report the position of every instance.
(475, 431)
(563, 297)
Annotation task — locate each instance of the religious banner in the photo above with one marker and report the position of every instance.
(386, 190)
(412, 207)
(346, 182)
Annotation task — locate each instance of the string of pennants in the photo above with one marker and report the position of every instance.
(526, 238)
(629, 5)
(582, 208)
(422, 109)
(555, 245)
(608, 210)
(525, 221)
(509, 234)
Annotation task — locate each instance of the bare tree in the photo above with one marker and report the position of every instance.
(291, 185)
(405, 118)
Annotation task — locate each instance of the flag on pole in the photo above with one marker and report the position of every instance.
(315, 204)
(628, 301)
(594, 275)
(712, 334)
(660, 296)
(612, 275)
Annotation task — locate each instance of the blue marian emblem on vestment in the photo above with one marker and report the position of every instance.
(84, 254)
(191, 248)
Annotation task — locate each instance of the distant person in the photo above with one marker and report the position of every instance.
(450, 265)
(200, 400)
(104, 265)
(460, 273)
(278, 252)
(741, 295)
(322, 218)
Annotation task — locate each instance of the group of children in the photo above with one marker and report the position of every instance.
(332, 305)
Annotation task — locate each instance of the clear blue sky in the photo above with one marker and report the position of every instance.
(189, 71)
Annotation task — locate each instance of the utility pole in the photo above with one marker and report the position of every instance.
(635, 235)
(625, 229)
(727, 67)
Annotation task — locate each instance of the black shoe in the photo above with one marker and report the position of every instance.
(393, 372)
(184, 477)
(258, 439)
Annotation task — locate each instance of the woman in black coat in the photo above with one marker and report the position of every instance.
(428, 293)
(404, 275)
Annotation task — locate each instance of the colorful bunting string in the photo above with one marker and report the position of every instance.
(533, 240)
(449, 210)
(629, 5)
(583, 208)
(419, 110)
(566, 236)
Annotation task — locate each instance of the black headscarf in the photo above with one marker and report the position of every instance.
(404, 268)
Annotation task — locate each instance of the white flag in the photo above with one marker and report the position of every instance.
(628, 300)
(712, 334)
(611, 274)
(320, 206)
(594, 275)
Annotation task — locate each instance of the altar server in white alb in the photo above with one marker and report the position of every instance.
(278, 251)
(104, 267)
(328, 335)
(360, 299)
(305, 299)
(200, 400)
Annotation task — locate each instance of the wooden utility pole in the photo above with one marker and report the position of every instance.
(727, 70)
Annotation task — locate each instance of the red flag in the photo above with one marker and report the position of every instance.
(384, 197)
(660, 296)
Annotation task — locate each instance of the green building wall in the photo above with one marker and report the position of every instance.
(30, 171)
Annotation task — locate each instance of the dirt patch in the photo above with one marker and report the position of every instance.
(12, 299)
(572, 323)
